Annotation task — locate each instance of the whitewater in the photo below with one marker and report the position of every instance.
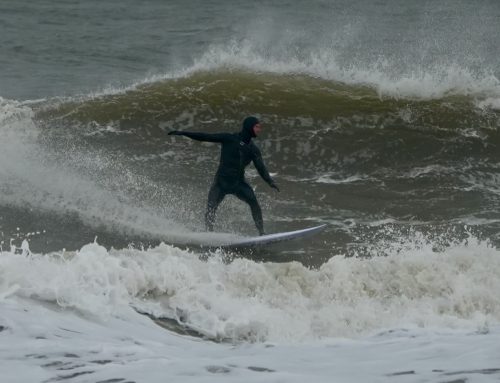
(411, 316)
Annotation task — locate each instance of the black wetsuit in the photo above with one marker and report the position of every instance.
(237, 151)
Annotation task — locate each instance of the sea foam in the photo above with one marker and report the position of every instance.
(412, 287)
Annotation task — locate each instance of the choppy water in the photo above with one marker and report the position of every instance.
(381, 120)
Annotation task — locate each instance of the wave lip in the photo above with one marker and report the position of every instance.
(387, 76)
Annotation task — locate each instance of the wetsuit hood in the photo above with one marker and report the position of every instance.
(247, 129)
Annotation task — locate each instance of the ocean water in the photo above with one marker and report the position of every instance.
(380, 119)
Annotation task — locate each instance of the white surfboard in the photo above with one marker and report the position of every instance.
(272, 238)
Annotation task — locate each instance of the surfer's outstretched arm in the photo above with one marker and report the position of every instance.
(261, 168)
(199, 136)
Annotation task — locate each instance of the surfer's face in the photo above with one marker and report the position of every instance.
(256, 129)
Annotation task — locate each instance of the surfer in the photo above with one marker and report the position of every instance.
(237, 152)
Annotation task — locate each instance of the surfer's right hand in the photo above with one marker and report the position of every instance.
(275, 187)
(175, 133)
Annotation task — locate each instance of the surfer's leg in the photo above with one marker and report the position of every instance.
(215, 197)
(245, 193)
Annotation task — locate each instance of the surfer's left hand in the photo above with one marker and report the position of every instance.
(274, 186)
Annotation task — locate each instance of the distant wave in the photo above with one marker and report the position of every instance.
(384, 75)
